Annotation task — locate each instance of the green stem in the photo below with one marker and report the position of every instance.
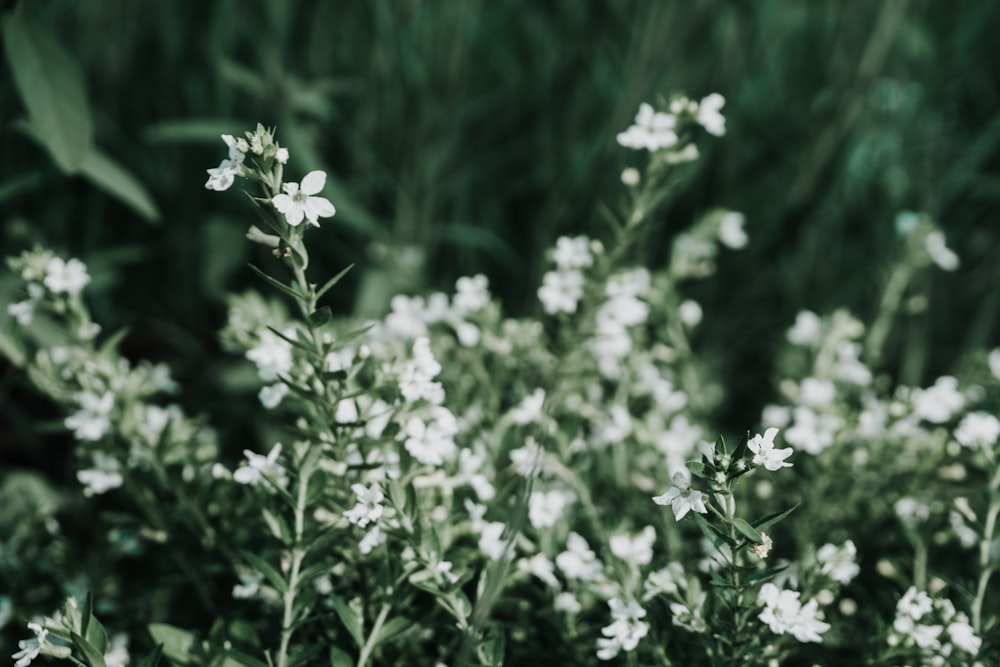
(984, 553)
(298, 555)
(372, 640)
(892, 298)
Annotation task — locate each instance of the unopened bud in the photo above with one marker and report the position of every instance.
(257, 236)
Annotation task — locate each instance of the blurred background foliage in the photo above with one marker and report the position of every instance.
(466, 136)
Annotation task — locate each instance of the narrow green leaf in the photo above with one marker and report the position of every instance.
(340, 659)
(194, 130)
(86, 613)
(393, 628)
(153, 659)
(332, 281)
(747, 530)
(267, 570)
(772, 519)
(280, 286)
(97, 635)
(303, 344)
(91, 656)
(321, 317)
(111, 177)
(304, 656)
(111, 343)
(245, 659)
(51, 86)
(350, 620)
(177, 643)
(714, 535)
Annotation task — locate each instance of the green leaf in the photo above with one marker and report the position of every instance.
(494, 645)
(772, 519)
(91, 656)
(321, 317)
(304, 655)
(245, 659)
(97, 635)
(332, 281)
(393, 628)
(747, 530)
(111, 177)
(194, 130)
(280, 286)
(340, 659)
(153, 659)
(177, 643)
(350, 620)
(267, 570)
(51, 86)
(714, 535)
(278, 526)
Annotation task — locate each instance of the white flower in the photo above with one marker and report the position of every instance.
(540, 566)
(66, 276)
(731, 231)
(652, 130)
(964, 637)
(784, 613)
(491, 540)
(545, 508)
(270, 395)
(369, 507)
(709, 115)
(281, 155)
(568, 603)
(839, 563)
(578, 561)
(92, 420)
(764, 548)
(529, 409)
(939, 403)
(572, 253)
(30, 648)
(22, 311)
(764, 452)
(807, 329)
(625, 631)
(471, 294)
(631, 177)
(117, 651)
(940, 253)
(529, 460)
(561, 291)
(914, 604)
(690, 313)
(104, 476)
(680, 496)
(256, 467)
(223, 176)
(297, 203)
(272, 355)
(637, 549)
(978, 430)
(431, 442)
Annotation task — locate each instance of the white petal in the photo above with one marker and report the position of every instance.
(282, 202)
(313, 182)
(321, 206)
(294, 215)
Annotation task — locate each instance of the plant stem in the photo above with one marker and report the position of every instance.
(984, 553)
(298, 555)
(370, 643)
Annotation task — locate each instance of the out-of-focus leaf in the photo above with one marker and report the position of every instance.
(51, 87)
(111, 177)
(198, 130)
(177, 643)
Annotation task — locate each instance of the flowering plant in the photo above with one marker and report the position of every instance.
(449, 485)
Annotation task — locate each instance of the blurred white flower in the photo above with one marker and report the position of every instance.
(978, 430)
(625, 631)
(938, 403)
(631, 177)
(839, 563)
(92, 420)
(578, 561)
(940, 253)
(296, 202)
(572, 253)
(253, 471)
(270, 395)
(369, 507)
(529, 410)
(66, 276)
(103, 477)
(561, 291)
(690, 313)
(710, 115)
(272, 355)
(731, 232)
(652, 130)
(471, 294)
(784, 613)
(807, 329)
(637, 549)
(30, 648)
